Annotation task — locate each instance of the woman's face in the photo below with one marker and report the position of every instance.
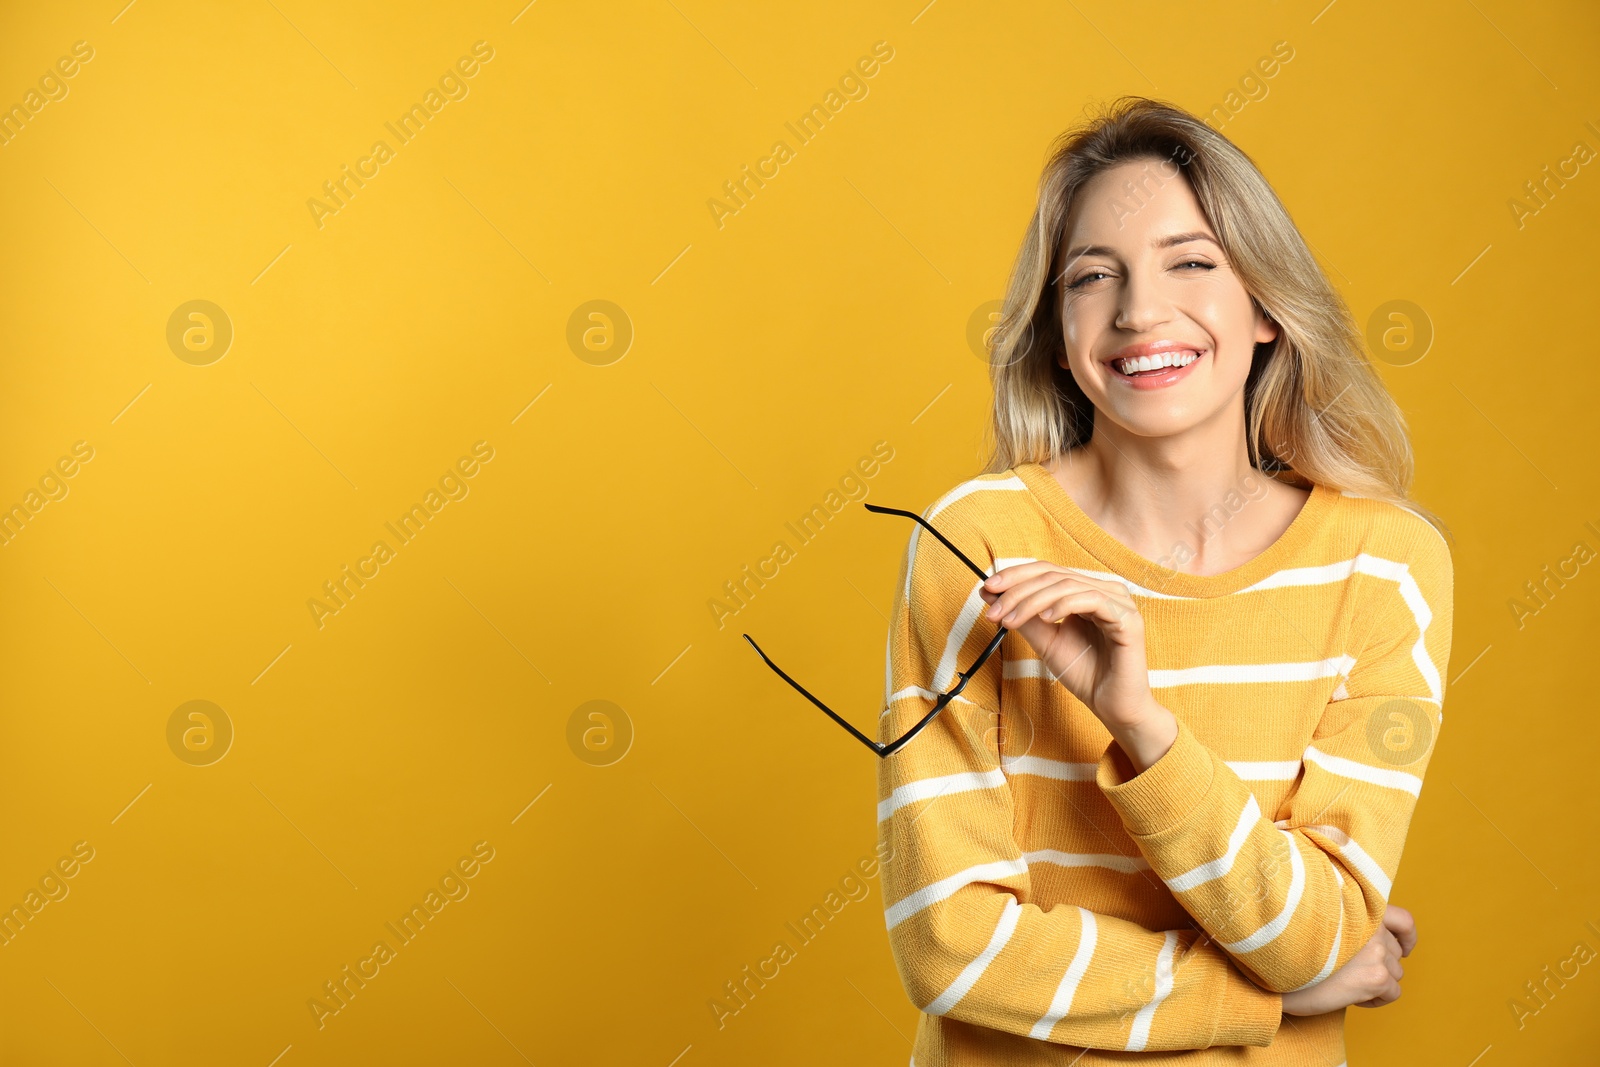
(1143, 272)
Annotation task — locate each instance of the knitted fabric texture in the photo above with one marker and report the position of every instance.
(1044, 904)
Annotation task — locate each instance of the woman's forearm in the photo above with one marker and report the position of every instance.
(1149, 739)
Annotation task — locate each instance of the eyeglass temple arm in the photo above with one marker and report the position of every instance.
(962, 556)
(890, 748)
(884, 751)
(859, 736)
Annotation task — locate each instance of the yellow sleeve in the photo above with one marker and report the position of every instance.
(1294, 900)
(967, 942)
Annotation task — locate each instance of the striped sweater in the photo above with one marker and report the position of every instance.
(1041, 899)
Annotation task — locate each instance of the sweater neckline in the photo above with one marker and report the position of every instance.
(1164, 581)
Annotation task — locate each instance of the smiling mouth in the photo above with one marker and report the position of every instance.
(1150, 366)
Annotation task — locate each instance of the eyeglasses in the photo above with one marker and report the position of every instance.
(885, 750)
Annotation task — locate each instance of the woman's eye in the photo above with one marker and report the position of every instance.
(1091, 275)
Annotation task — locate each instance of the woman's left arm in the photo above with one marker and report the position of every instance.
(1293, 901)
(1290, 901)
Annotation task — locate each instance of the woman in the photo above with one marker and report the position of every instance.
(1167, 814)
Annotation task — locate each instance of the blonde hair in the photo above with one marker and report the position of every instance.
(1315, 409)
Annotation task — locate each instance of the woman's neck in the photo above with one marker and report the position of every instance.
(1172, 500)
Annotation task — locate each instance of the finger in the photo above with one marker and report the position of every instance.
(1403, 925)
(1115, 607)
(1111, 616)
(1116, 615)
(1390, 942)
(1114, 611)
(1049, 592)
(1022, 601)
(1381, 999)
(1016, 588)
(1391, 956)
(1019, 590)
(1407, 939)
(1007, 577)
(1077, 602)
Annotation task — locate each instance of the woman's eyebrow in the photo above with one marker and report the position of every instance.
(1162, 242)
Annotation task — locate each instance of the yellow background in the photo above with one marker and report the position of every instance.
(769, 355)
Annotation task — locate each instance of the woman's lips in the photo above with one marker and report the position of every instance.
(1156, 379)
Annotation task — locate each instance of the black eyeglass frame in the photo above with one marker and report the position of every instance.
(887, 749)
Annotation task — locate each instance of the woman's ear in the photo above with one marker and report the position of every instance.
(1267, 328)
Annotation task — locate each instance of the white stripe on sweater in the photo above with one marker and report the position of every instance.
(1359, 858)
(1326, 574)
(1400, 574)
(1062, 771)
(1061, 1003)
(926, 694)
(945, 888)
(929, 788)
(1110, 860)
(1250, 673)
(1023, 668)
(967, 488)
(1338, 933)
(1206, 872)
(1269, 931)
(944, 674)
(1139, 1034)
(1048, 768)
(973, 971)
(974, 485)
(1361, 772)
(1266, 770)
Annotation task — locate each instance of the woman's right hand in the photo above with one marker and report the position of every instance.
(1372, 976)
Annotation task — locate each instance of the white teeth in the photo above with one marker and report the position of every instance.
(1163, 359)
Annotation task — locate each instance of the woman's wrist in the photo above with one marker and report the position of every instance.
(1147, 740)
